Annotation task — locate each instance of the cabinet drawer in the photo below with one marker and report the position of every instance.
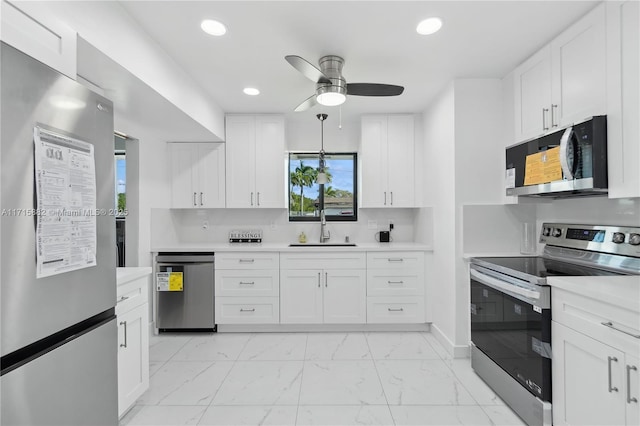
(397, 309)
(395, 260)
(132, 294)
(394, 283)
(337, 260)
(247, 283)
(247, 260)
(587, 316)
(247, 310)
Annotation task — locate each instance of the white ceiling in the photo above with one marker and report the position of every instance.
(377, 39)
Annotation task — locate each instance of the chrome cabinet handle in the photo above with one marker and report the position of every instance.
(391, 197)
(247, 260)
(610, 325)
(326, 278)
(201, 199)
(125, 334)
(629, 398)
(122, 299)
(194, 199)
(553, 107)
(247, 310)
(318, 279)
(258, 198)
(544, 118)
(247, 283)
(252, 198)
(385, 198)
(395, 282)
(611, 388)
(398, 259)
(395, 310)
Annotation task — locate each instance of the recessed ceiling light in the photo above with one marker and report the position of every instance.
(429, 26)
(251, 91)
(212, 27)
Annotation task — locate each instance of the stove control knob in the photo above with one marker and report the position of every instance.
(546, 232)
(557, 232)
(618, 237)
(634, 239)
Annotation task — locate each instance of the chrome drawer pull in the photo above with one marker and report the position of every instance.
(629, 398)
(610, 325)
(395, 259)
(247, 283)
(247, 260)
(395, 282)
(395, 310)
(122, 299)
(611, 388)
(125, 334)
(247, 310)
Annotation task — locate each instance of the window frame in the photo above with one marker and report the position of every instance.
(329, 218)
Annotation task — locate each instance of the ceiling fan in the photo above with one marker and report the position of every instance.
(331, 86)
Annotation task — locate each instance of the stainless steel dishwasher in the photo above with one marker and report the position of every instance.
(193, 307)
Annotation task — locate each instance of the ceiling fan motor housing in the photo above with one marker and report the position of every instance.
(331, 66)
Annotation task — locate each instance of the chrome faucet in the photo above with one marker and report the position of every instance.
(325, 235)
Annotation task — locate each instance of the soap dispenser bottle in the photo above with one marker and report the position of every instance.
(302, 238)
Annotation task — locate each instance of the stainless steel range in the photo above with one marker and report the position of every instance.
(511, 346)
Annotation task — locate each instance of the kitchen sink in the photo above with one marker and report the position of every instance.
(322, 245)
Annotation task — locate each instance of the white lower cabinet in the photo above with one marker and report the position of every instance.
(595, 368)
(132, 313)
(326, 295)
(395, 287)
(247, 288)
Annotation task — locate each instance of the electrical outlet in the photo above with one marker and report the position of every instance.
(274, 226)
(372, 224)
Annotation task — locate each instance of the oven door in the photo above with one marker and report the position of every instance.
(511, 324)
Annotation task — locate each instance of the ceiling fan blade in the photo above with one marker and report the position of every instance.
(373, 89)
(307, 69)
(308, 103)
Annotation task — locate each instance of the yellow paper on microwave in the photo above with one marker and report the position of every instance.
(543, 167)
(175, 281)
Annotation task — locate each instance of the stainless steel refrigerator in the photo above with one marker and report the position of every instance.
(58, 332)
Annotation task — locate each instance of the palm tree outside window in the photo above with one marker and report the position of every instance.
(338, 196)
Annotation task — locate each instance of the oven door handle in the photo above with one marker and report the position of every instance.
(501, 286)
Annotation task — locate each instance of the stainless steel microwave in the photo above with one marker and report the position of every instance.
(579, 167)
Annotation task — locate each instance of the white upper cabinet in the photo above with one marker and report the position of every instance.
(565, 81)
(387, 153)
(28, 27)
(623, 98)
(197, 171)
(255, 161)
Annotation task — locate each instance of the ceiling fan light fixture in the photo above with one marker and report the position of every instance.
(331, 95)
(429, 26)
(213, 27)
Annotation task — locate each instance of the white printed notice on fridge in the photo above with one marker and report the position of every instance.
(65, 178)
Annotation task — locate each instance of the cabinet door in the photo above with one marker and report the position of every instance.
(183, 175)
(400, 161)
(578, 60)
(585, 373)
(632, 392)
(345, 296)
(240, 161)
(373, 162)
(133, 356)
(623, 98)
(211, 175)
(301, 296)
(270, 166)
(532, 92)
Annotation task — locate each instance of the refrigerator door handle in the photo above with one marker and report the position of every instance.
(124, 345)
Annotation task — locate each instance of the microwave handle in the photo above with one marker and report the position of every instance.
(500, 286)
(565, 140)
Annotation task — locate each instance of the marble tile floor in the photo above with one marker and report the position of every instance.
(376, 378)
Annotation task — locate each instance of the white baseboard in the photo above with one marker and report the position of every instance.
(456, 351)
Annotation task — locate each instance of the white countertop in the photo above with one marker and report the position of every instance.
(622, 291)
(284, 247)
(128, 274)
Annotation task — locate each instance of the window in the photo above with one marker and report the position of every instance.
(338, 196)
